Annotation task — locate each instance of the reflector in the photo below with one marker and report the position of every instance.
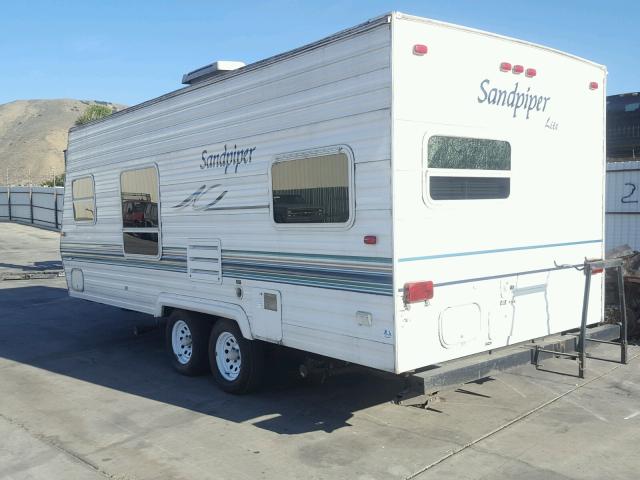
(419, 49)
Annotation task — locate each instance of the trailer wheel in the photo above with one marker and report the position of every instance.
(186, 337)
(236, 363)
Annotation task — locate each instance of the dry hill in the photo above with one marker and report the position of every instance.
(33, 135)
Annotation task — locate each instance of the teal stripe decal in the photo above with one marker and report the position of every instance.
(497, 250)
(311, 256)
(157, 265)
(310, 281)
(371, 275)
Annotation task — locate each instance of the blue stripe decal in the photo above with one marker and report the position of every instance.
(130, 263)
(312, 256)
(371, 275)
(497, 250)
(311, 282)
(338, 272)
(506, 275)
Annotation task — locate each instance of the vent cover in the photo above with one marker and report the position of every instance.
(209, 71)
(204, 261)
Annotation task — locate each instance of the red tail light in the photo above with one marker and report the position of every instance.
(517, 69)
(419, 49)
(505, 67)
(530, 72)
(593, 85)
(418, 292)
(370, 239)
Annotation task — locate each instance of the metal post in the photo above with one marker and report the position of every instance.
(9, 201)
(582, 357)
(55, 205)
(31, 202)
(623, 316)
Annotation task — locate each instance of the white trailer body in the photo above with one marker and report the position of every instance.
(302, 196)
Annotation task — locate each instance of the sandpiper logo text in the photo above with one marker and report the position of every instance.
(227, 157)
(520, 102)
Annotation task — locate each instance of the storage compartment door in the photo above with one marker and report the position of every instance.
(266, 321)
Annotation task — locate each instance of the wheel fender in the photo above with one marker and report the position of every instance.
(210, 307)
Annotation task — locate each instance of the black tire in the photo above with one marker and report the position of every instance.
(251, 365)
(199, 327)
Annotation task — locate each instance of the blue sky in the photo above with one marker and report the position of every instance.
(130, 51)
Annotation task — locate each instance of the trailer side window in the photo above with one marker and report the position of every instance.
(468, 168)
(139, 197)
(84, 199)
(311, 190)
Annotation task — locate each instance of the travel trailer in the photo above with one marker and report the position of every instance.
(400, 194)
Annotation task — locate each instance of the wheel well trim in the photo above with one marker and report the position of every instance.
(210, 307)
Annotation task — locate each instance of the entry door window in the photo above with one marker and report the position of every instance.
(140, 215)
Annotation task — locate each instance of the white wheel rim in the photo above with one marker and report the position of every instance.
(228, 356)
(181, 342)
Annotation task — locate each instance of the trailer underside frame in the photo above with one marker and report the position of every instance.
(422, 386)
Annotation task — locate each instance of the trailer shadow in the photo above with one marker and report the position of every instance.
(42, 327)
(34, 267)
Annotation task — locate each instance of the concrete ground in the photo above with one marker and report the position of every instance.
(27, 250)
(82, 397)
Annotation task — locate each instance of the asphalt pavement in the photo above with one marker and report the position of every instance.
(83, 397)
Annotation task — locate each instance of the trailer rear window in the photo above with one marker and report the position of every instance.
(84, 199)
(476, 188)
(460, 168)
(139, 199)
(311, 190)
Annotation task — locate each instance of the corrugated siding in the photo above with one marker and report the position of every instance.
(622, 221)
(335, 95)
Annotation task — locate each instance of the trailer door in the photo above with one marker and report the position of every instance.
(266, 317)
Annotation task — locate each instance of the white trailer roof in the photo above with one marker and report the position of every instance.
(363, 27)
(368, 25)
(405, 16)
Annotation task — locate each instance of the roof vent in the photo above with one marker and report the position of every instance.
(209, 71)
